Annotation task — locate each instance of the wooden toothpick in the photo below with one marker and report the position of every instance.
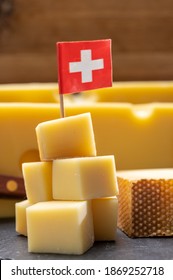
(62, 114)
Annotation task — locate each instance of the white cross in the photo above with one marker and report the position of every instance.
(86, 66)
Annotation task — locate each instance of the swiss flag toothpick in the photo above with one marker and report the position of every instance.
(84, 65)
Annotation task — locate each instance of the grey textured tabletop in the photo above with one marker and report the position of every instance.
(14, 246)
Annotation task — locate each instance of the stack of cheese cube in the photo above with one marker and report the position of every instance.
(71, 192)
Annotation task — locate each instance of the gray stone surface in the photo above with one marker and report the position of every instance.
(14, 246)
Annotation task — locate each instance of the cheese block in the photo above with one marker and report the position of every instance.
(105, 213)
(60, 227)
(135, 92)
(119, 129)
(66, 137)
(31, 92)
(20, 216)
(84, 178)
(7, 207)
(38, 181)
(18, 143)
(146, 202)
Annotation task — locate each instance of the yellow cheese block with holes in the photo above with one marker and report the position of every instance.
(20, 215)
(60, 227)
(7, 207)
(84, 178)
(139, 136)
(105, 214)
(18, 142)
(66, 137)
(38, 181)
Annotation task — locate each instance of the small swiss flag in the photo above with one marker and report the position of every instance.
(84, 65)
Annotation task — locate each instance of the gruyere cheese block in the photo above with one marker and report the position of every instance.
(146, 202)
(105, 213)
(66, 137)
(20, 216)
(38, 181)
(7, 207)
(84, 178)
(60, 227)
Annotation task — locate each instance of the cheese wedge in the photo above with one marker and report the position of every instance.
(60, 227)
(105, 214)
(84, 178)
(20, 215)
(146, 202)
(66, 137)
(38, 181)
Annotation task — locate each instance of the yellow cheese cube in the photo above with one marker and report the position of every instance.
(84, 178)
(7, 207)
(105, 211)
(38, 181)
(66, 137)
(64, 227)
(21, 223)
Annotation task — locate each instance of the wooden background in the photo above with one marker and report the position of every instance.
(141, 32)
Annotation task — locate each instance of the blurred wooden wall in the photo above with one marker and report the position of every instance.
(141, 32)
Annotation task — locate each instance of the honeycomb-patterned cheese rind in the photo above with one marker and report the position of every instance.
(146, 204)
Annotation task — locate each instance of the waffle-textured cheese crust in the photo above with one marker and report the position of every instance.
(146, 202)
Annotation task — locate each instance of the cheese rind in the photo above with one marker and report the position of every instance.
(60, 227)
(66, 137)
(84, 178)
(146, 202)
(105, 213)
(20, 215)
(38, 181)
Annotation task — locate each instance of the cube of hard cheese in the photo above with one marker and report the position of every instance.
(38, 181)
(66, 137)
(20, 215)
(64, 227)
(84, 178)
(146, 202)
(105, 211)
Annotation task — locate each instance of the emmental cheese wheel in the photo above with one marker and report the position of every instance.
(66, 137)
(64, 227)
(84, 178)
(146, 202)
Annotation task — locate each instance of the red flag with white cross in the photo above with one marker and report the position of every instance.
(84, 65)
